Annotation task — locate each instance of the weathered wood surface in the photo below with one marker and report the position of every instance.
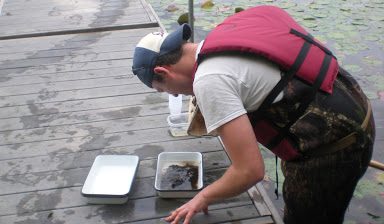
(64, 99)
(41, 17)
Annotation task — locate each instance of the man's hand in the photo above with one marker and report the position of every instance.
(247, 168)
(188, 210)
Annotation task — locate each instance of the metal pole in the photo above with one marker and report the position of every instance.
(190, 18)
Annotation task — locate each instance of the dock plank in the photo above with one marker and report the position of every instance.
(65, 161)
(51, 17)
(80, 105)
(133, 210)
(71, 196)
(40, 78)
(90, 142)
(83, 130)
(80, 117)
(66, 67)
(70, 90)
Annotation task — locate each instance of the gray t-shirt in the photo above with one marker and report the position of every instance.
(228, 86)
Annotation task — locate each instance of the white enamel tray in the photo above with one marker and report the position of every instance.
(110, 179)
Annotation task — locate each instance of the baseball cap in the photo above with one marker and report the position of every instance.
(153, 45)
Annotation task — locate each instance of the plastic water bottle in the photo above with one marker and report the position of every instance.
(175, 103)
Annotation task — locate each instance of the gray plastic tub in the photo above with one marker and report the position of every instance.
(174, 173)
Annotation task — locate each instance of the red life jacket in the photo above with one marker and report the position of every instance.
(270, 32)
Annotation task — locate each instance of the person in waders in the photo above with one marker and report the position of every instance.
(260, 77)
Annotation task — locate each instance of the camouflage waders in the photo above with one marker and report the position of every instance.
(320, 184)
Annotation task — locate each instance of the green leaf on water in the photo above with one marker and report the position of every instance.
(323, 2)
(369, 60)
(183, 18)
(309, 24)
(372, 95)
(380, 177)
(336, 35)
(309, 17)
(172, 8)
(378, 80)
(367, 188)
(349, 222)
(320, 15)
(207, 4)
(353, 68)
(371, 37)
(376, 17)
(287, 5)
(345, 27)
(358, 22)
(345, 9)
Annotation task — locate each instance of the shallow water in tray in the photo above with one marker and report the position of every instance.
(180, 177)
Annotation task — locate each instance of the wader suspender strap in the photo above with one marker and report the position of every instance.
(306, 101)
(288, 76)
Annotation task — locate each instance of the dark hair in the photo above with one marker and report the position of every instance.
(168, 59)
(171, 58)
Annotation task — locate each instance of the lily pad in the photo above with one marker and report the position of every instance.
(207, 4)
(183, 18)
(365, 187)
(376, 17)
(345, 9)
(320, 15)
(323, 2)
(372, 37)
(225, 9)
(381, 95)
(287, 5)
(378, 80)
(238, 9)
(337, 35)
(309, 17)
(353, 68)
(358, 22)
(172, 8)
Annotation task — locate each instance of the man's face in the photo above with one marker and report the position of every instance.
(166, 83)
(160, 85)
(173, 79)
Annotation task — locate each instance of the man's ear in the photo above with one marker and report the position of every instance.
(161, 70)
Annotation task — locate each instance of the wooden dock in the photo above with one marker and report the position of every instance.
(67, 95)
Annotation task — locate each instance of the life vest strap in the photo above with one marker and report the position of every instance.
(309, 39)
(287, 76)
(304, 104)
(284, 131)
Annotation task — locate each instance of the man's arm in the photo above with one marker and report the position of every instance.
(246, 170)
(247, 166)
